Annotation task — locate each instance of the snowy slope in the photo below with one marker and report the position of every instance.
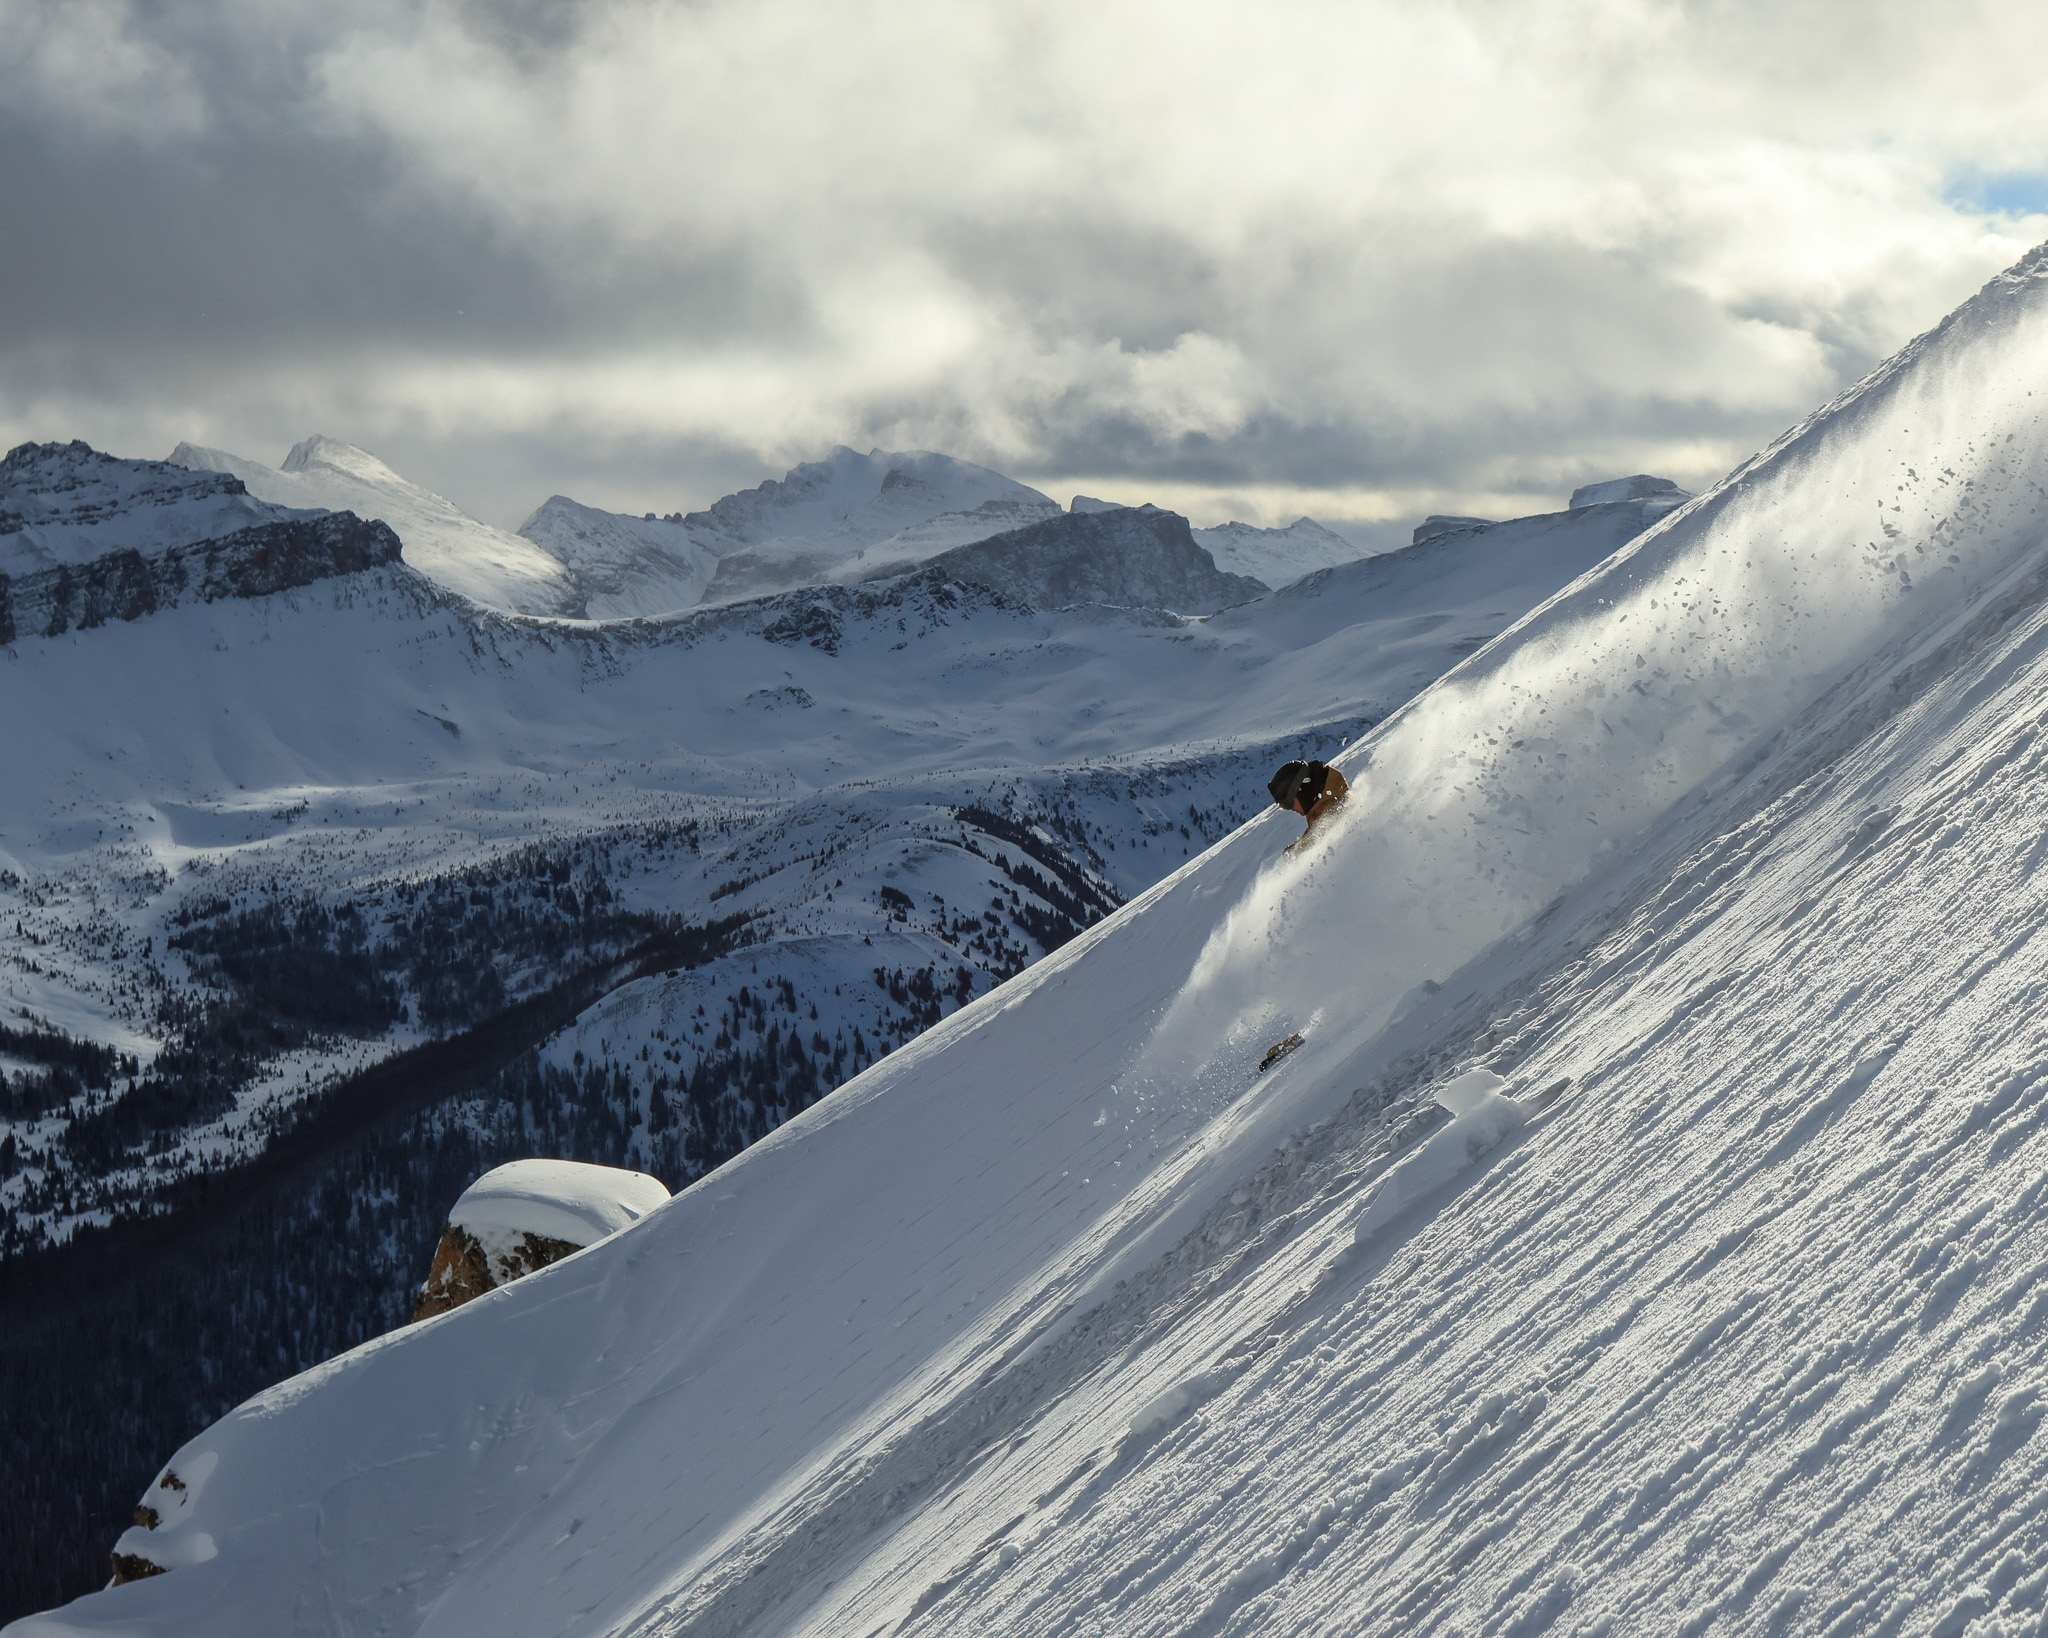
(621, 566)
(1728, 1321)
(852, 516)
(496, 569)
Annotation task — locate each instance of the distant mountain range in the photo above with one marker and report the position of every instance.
(845, 519)
(441, 541)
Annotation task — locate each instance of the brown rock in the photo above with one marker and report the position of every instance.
(461, 1272)
(133, 1567)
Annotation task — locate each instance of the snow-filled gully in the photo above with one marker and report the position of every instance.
(1066, 1319)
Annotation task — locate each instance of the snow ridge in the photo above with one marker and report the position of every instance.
(442, 542)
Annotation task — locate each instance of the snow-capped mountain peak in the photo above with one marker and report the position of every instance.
(320, 451)
(622, 565)
(810, 526)
(444, 543)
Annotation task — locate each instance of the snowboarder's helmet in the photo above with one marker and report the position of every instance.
(1286, 784)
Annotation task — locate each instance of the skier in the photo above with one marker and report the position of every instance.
(1312, 789)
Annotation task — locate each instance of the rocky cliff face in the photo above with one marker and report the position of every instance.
(1134, 557)
(86, 538)
(253, 562)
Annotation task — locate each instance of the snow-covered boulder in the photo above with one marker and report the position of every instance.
(525, 1215)
(1641, 487)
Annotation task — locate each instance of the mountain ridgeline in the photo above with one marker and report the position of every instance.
(1132, 557)
(70, 565)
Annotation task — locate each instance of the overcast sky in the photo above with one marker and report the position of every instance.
(1364, 260)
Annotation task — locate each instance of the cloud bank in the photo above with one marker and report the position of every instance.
(1362, 259)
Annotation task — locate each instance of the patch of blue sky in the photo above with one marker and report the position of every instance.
(1999, 193)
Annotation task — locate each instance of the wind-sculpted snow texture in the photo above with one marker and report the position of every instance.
(1725, 1313)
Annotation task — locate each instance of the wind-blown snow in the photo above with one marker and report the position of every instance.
(444, 543)
(1058, 1319)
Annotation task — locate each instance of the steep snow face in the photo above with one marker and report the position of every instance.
(487, 565)
(621, 566)
(1722, 1313)
(1275, 556)
(854, 516)
(67, 504)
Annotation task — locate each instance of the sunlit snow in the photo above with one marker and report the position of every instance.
(1724, 1311)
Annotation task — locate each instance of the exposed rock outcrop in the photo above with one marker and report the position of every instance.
(464, 1271)
(252, 562)
(1132, 557)
(86, 538)
(160, 1539)
(524, 1215)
